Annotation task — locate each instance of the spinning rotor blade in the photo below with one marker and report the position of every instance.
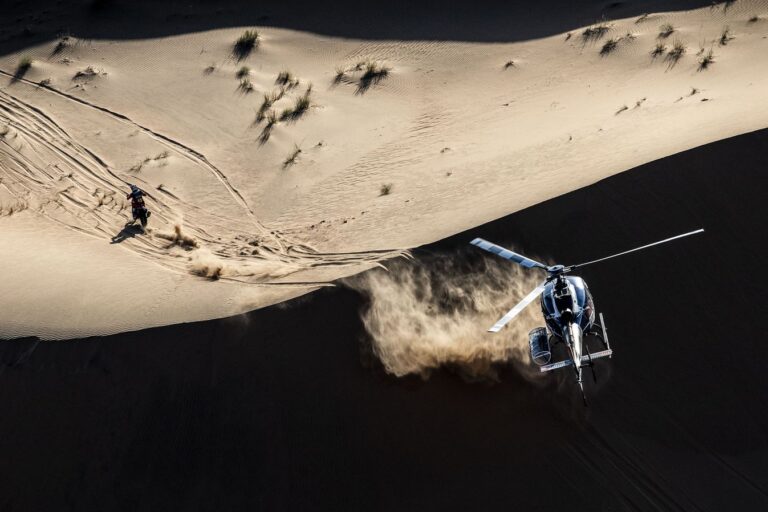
(506, 253)
(518, 308)
(636, 249)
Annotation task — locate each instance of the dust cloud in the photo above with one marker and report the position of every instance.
(429, 314)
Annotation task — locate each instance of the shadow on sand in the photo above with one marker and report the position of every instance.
(130, 230)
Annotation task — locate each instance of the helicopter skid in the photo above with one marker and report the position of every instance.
(568, 362)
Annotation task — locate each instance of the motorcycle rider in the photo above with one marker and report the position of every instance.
(138, 208)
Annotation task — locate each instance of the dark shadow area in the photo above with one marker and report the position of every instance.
(27, 23)
(281, 409)
(130, 230)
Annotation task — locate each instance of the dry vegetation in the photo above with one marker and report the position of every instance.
(245, 86)
(61, 45)
(245, 44)
(676, 53)
(299, 108)
(385, 189)
(373, 74)
(725, 36)
(365, 74)
(609, 46)
(266, 132)
(706, 60)
(658, 50)
(24, 65)
(291, 159)
(287, 80)
(666, 30)
(595, 32)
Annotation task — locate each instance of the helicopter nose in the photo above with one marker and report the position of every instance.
(576, 343)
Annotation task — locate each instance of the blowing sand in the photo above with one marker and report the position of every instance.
(278, 168)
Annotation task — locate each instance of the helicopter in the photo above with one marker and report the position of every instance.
(568, 311)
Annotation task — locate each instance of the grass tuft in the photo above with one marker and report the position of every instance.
(676, 53)
(385, 189)
(373, 73)
(245, 44)
(725, 36)
(706, 60)
(24, 65)
(291, 159)
(658, 50)
(341, 72)
(666, 30)
(287, 80)
(243, 72)
(266, 104)
(245, 86)
(266, 132)
(609, 46)
(61, 45)
(595, 32)
(299, 108)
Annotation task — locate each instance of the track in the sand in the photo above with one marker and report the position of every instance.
(71, 185)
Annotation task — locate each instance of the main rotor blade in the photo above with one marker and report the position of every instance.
(518, 308)
(506, 253)
(637, 249)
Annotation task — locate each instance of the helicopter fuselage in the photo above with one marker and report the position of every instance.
(569, 312)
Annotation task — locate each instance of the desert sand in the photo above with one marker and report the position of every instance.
(273, 410)
(400, 141)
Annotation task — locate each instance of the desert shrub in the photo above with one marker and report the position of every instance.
(373, 73)
(287, 79)
(299, 108)
(725, 36)
(666, 30)
(245, 44)
(676, 53)
(595, 32)
(706, 60)
(609, 46)
(291, 159)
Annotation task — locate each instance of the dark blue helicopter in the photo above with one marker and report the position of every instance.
(568, 310)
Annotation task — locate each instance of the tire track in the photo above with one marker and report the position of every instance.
(71, 185)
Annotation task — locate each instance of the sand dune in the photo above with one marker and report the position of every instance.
(453, 134)
(273, 410)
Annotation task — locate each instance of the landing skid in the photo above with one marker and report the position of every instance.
(599, 331)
